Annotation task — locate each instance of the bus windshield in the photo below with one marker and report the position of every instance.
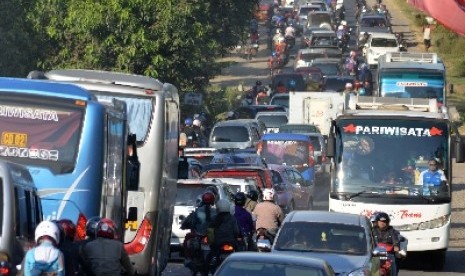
(291, 153)
(412, 85)
(376, 156)
(139, 112)
(37, 134)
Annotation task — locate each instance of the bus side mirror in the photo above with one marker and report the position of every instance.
(330, 146)
(458, 150)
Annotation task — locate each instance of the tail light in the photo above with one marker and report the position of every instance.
(311, 156)
(142, 238)
(4, 268)
(81, 227)
(227, 248)
(205, 240)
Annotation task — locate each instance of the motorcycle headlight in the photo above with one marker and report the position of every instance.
(362, 271)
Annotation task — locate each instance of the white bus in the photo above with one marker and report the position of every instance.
(153, 116)
(380, 147)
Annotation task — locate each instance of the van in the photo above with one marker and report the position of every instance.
(239, 134)
(21, 212)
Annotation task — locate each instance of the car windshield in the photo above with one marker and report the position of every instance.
(283, 101)
(383, 42)
(318, 19)
(230, 134)
(292, 153)
(187, 194)
(273, 120)
(322, 237)
(251, 267)
(373, 22)
(305, 10)
(324, 41)
(362, 165)
(294, 82)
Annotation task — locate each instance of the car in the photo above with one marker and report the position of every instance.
(372, 22)
(307, 55)
(240, 185)
(292, 82)
(306, 34)
(225, 158)
(293, 191)
(250, 111)
(322, 19)
(272, 120)
(323, 39)
(189, 168)
(240, 133)
(379, 44)
(260, 174)
(313, 77)
(281, 99)
(329, 66)
(188, 193)
(345, 241)
(337, 83)
(298, 128)
(259, 264)
(304, 9)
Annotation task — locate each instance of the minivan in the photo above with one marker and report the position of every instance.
(20, 214)
(240, 133)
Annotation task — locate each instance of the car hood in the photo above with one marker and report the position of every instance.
(339, 262)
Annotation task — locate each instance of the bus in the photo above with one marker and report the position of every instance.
(412, 75)
(153, 116)
(72, 145)
(379, 150)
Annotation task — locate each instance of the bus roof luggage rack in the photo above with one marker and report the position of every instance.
(387, 103)
(413, 57)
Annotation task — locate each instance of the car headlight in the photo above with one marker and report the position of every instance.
(431, 224)
(362, 271)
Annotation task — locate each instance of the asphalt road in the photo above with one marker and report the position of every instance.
(416, 264)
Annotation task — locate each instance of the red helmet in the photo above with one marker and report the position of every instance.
(69, 228)
(208, 198)
(106, 228)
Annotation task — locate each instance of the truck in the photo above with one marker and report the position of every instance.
(380, 147)
(316, 108)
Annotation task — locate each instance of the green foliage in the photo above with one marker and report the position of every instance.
(175, 41)
(459, 67)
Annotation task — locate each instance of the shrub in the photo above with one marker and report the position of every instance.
(459, 67)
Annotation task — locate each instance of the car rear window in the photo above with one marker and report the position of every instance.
(322, 237)
(188, 193)
(283, 101)
(273, 120)
(230, 134)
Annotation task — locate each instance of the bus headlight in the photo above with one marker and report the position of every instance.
(431, 224)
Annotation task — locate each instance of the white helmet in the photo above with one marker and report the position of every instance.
(197, 122)
(278, 31)
(344, 23)
(340, 28)
(47, 228)
(223, 206)
(268, 194)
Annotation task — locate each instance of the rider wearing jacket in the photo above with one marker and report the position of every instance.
(386, 234)
(243, 217)
(269, 215)
(225, 226)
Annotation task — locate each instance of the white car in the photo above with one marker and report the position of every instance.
(379, 44)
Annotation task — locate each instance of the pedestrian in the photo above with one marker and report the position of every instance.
(427, 36)
(45, 258)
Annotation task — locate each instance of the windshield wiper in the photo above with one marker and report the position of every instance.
(366, 191)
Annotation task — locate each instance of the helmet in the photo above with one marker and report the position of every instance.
(373, 217)
(340, 28)
(383, 217)
(353, 53)
(349, 85)
(69, 228)
(278, 31)
(49, 229)
(253, 195)
(357, 84)
(239, 199)
(344, 23)
(188, 121)
(105, 229)
(91, 225)
(208, 198)
(197, 122)
(258, 83)
(268, 194)
(223, 206)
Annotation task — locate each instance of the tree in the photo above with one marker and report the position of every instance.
(175, 41)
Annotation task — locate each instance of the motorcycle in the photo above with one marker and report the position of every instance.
(264, 240)
(402, 42)
(225, 250)
(385, 252)
(197, 250)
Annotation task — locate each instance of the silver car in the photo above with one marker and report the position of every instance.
(343, 240)
(239, 134)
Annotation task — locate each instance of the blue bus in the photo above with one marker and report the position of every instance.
(296, 150)
(73, 145)
(412, 75)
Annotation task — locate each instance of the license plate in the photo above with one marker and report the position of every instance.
(14, 139)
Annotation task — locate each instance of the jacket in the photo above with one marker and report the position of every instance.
(198, 220)
(388, 235)
(250, 205)
(269, 215)
(44, 258)
(104, 257)
(225, 230)
(244, 219)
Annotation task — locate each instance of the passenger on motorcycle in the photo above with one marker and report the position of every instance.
(244, 218)
(278, 37)
(269, 215)
(104, 255)
(386, 236)
(225, 228)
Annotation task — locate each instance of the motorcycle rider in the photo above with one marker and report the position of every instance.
(251, 201)
(269, 215)
(45, 258)
(67, 245)
(104, 255)
(352, 63)
(386, 234)
(192, 138)
(197, 128)
(289, 35)
(244, 218)
(277, 37)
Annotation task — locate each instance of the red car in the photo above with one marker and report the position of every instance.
(260, 174)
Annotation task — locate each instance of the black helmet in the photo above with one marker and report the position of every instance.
(383, 217)
(239, 199)
(258, 83)
(253, 195)
(91, 226)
